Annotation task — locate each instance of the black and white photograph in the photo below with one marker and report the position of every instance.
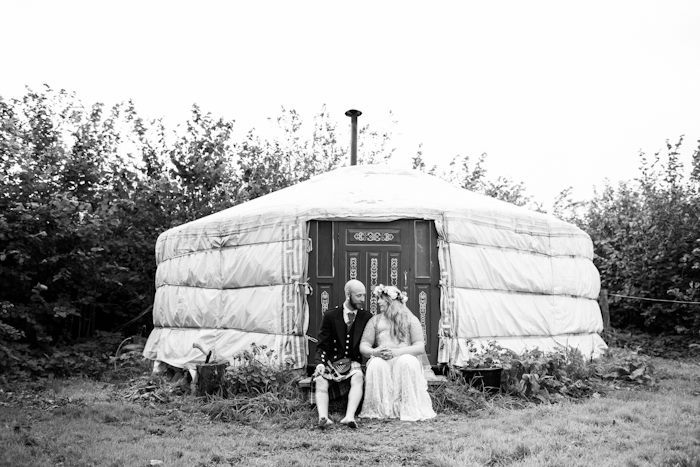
(310, 233)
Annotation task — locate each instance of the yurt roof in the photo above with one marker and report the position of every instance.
(377, 193)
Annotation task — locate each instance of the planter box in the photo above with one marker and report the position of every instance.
(487, 379)
(483, 379)
(210, 379)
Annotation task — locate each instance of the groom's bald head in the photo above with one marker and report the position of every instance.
(353, 285)
(355, 294)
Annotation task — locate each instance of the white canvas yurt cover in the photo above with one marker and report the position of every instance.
(237, 277)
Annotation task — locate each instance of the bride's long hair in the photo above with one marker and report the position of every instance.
(397, 313)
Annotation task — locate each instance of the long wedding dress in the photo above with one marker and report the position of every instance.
(395, 388)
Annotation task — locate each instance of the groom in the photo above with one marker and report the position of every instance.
(339, 337)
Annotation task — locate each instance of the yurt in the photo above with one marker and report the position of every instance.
(475, 268)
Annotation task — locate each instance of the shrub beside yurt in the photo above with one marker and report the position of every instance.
(475, 268)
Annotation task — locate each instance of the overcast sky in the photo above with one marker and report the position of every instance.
(556, 93)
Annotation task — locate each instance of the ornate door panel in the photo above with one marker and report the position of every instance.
(374, 253)
(401, 253)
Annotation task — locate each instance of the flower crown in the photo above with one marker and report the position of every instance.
(390, 291)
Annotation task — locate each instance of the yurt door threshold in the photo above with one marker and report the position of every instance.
(401, 253)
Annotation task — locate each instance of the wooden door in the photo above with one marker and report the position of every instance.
(401, 253)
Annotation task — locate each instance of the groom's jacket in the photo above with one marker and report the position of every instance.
(336, 341)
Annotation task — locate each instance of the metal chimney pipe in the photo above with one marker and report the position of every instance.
(353, 114)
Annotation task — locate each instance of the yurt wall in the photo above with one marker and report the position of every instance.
(474, 268)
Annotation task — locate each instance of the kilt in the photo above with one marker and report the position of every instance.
(338, 387)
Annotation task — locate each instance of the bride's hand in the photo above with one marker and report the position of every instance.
(386, 353)
(379, 352)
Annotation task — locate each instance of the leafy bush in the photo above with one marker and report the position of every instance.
(673, 346)
(624, 366)
(489, 355)
(257, 371)
(84, 358)
(8, 334)
(543, 375)
(546, 376)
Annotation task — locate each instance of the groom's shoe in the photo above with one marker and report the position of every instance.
(351, 424)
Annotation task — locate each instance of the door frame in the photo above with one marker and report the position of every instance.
(328, 271)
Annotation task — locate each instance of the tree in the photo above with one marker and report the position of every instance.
(51, 184)
(86, 190)
(646, 243)
(568, 209)
(201, 165)
(471, 175)
(418, 163)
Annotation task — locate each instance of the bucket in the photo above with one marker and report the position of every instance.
(483, 379)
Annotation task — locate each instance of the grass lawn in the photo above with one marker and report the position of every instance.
(84, 422)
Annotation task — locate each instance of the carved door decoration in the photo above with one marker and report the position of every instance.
(401, 253)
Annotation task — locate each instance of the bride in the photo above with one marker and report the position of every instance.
(393, 340)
